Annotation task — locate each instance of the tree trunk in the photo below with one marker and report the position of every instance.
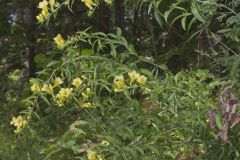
(29, 21)
(119, 14)
(104, 18)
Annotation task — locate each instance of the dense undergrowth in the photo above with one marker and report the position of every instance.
(101, 98)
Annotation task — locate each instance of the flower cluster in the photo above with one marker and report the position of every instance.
(93, 155)
(134, 78)
(85, 96)
(45, 6)
(60, 94)
(44, 11)
(19, 123)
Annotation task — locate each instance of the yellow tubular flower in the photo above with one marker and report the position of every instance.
(77, 82)
(119, 83)
(57, 82)
(133, 76)
(44, 13)
(47, 88)
(68, 91)
(40, 18)
(35, 88)
(18, 130)
(119, 78)
(64, 93)
(43, 4)
(87, 105)
(16, 121)
(19, 123)
(84, 95)
(105, 143)
(91, 155)
(52, 3)
(142, 80)
(89, 3)
(59, 40)
(88, 90)
(60, 96)
(100, 157)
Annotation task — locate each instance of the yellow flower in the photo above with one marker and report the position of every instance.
(57, 82)
(59, 103)
(48, 88)
(16, 121)
(84, 95)
(91, 155)
(119, 78)
(18, 130)
(40, 18)
(59, 40)
(89, 3)
(87, 105)
(142, 80)
(77, 82)
(100, 157)
(43, 5)
(105, 143)
(19, 123)
(64, 93)
(88, 90)
(44, 13)
(35, 88)
(52, 3)
(133, 76)
(119, 83)
(60, 96)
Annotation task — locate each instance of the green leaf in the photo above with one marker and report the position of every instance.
(150, 8)
(197, 14)
(87, 52)
(146, 72)
(113, 51)
(114, 141)
(158, 17)
(166, 14)
(69, 144)
(183, 22)
(219, 121)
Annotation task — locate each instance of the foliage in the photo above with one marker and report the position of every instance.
(141, 91)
